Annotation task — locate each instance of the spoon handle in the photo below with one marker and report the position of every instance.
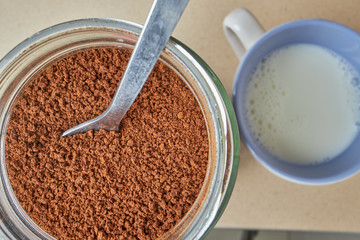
(157, 30)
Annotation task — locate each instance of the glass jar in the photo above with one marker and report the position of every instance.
(27, 60)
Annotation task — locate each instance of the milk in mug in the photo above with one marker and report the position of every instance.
(302, 103)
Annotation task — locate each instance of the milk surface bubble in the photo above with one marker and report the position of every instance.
(302, 103)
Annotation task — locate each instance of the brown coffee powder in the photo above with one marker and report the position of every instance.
(136, 183)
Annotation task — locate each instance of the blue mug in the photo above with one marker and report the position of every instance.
(251, 44)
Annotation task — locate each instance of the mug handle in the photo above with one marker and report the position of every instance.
(242, 30)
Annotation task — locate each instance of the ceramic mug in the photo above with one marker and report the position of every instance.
(251, 44)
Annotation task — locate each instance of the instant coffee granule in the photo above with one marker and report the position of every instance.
(135, 183)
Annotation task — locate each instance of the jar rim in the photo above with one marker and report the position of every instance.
(227, 113)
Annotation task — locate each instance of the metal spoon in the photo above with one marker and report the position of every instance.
(159, 25)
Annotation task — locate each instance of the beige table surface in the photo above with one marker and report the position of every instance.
(260, 200)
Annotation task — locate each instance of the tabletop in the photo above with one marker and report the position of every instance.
(260, 200)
